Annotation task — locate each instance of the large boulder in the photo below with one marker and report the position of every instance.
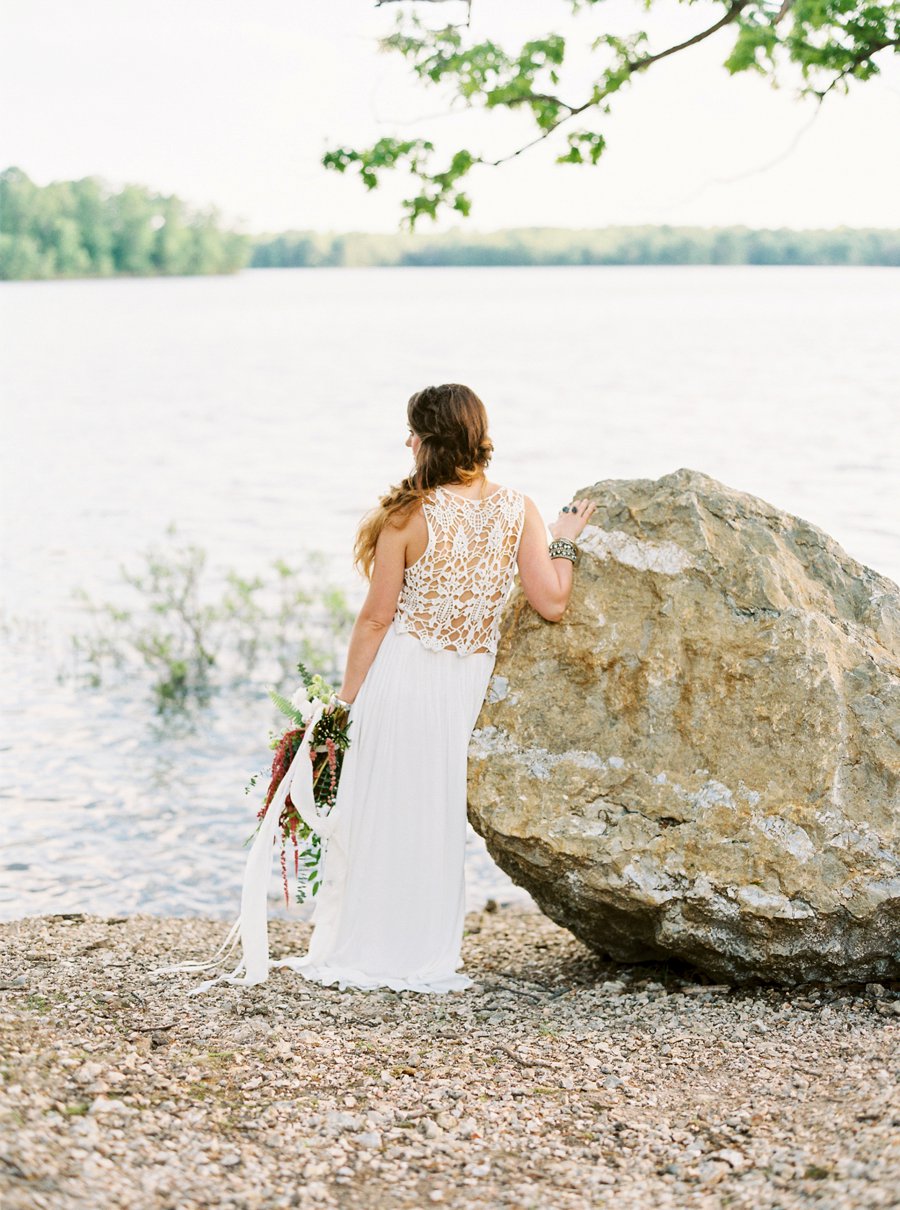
(702, 759)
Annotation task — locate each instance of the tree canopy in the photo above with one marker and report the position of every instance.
(85, 229)
(820, 46)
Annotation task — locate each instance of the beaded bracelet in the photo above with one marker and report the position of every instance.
(563, 548)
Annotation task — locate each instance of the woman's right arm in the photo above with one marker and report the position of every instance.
(547, 583)
(378, 609)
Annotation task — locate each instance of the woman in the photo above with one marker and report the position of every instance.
(440, 553)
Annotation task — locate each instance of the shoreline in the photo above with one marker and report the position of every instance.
(559, 1080)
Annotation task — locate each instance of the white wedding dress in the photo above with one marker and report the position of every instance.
(391, 906)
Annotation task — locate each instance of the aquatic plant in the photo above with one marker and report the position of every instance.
(189, 632)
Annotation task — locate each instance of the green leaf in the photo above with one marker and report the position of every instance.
(286, 708)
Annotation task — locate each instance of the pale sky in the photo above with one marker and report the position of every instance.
(234, 104)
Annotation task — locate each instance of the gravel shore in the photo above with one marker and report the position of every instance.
(558, 1081)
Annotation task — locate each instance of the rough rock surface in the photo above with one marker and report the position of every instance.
(702, 759)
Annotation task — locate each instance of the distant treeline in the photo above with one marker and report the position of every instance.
(85, 229)
(589, 246)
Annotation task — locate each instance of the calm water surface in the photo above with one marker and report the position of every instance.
(264, 413)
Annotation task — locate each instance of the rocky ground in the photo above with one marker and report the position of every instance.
(558, 1081)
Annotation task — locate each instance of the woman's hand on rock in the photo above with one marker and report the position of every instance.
(570, 524)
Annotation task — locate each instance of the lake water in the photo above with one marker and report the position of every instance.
(264, 413)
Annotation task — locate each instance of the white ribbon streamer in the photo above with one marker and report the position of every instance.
(252, 923)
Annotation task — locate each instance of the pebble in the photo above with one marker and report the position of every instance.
(369, 1138)
(560, 1080)
(110, 1105)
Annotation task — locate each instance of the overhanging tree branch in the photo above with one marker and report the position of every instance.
(863, 58)
(629, 67)
(829, 41)
(731, 15)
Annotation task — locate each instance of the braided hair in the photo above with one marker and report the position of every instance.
(451, 422)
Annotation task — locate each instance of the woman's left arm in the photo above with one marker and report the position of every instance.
(378, 609)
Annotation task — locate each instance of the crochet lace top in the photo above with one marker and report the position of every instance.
(453, 594)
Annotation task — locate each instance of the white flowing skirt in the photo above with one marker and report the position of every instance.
(391, 908)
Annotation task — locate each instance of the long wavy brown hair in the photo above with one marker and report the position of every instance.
(452, 423)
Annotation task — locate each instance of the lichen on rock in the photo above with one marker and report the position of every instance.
(702, 759)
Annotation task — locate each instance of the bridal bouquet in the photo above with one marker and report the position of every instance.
(302, 796)
(328, 742)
